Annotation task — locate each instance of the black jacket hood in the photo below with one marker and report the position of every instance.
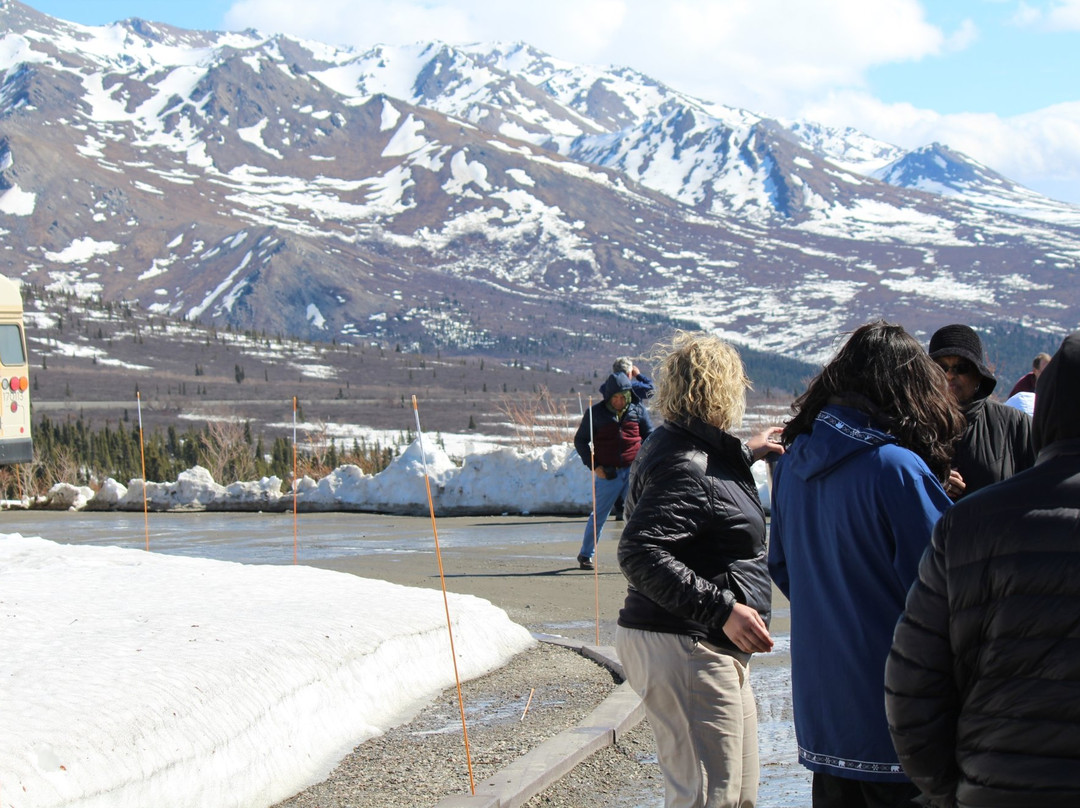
(1057, 396)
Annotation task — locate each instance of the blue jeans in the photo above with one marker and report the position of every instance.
(607, 491)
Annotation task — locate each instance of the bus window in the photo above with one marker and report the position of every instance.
(11, 350)
(11, 346)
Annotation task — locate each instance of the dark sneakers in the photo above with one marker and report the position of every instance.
(585, 563)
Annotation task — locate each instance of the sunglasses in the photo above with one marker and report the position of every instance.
(961, 368)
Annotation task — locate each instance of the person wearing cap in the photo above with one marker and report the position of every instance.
(982, 677)
(615, 427)
(640, 385)
(997, 440)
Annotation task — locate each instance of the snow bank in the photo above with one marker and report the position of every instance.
(67, 497)
(550, 480)
(135, 679)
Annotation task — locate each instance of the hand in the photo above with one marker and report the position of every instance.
(747, 630)
(600, 472)
(955, 485)
(634, 372)
(766, 442)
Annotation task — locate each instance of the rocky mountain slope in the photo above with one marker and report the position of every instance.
(484, 200)
(101, 364)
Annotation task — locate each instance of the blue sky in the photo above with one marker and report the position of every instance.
(992, 78)
(1007, 68)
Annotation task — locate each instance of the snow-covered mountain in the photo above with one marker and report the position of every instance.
(485, 198)
(938, 169)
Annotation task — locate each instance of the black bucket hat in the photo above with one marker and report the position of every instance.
(961, 340)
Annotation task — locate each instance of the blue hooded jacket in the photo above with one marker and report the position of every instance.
(852, 513)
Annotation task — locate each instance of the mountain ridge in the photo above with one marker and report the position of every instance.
(511, 203)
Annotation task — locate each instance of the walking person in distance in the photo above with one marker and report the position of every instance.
(641, 388)
(615, 429)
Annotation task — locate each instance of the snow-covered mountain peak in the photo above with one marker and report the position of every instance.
(847, 147)
(489, 197)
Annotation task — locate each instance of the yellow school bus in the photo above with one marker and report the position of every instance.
(16, 445)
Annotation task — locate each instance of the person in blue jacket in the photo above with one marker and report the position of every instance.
(641, 388)
(607, 441)
(854, 501)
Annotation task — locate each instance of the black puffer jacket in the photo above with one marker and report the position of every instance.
(694, 540)
(995, 445)
(983, 679)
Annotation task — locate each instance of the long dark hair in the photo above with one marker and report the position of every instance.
(884, 371)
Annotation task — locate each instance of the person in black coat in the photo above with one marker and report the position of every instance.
(699, 596)
(982, 680)
(997, 440)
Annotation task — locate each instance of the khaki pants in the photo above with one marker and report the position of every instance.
(702, 713)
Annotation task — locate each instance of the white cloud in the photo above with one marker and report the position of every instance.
(1025, 16)
(769, 54)
(580, 25)
(963, 37)
(759, 54)
(1063, 15)
(1037, 149)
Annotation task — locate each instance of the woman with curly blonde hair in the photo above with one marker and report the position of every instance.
(699, 597)
(704, 379)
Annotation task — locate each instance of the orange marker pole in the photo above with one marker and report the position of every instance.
(142, 456)
(294, 481)
(596, 538)
(523, 712)
(446, 602)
